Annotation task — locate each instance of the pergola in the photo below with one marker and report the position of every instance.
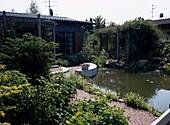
(111, 43)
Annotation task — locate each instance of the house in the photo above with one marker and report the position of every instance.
(66, 31)
(163, 24)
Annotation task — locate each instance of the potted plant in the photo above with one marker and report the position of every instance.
(85, 66)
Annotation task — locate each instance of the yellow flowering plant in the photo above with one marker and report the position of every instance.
(6, 92)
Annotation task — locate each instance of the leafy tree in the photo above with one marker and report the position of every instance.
(144, 39)
(99, 22)
(29, 54)
(90, 48)
(106, 30)
(33, 8)
(112, 24)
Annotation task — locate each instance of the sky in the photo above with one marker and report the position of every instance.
(117, 11)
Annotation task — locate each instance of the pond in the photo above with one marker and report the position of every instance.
(154, 87)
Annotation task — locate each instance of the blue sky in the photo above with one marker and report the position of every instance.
(117, 11)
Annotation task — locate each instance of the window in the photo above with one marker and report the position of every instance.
(69, 43)
(66, 42)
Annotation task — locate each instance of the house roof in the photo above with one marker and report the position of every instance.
(161, 21)
(45, 17)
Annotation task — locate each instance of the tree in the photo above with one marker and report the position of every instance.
(29, 54)
(112, 24)
(99, 22)
(144, 39)
(90, 48)
(33, 8)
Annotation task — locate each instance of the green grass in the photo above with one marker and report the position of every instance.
(136, 101)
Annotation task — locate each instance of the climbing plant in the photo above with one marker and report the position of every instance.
(144, 39)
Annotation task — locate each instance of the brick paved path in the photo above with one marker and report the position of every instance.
(137, 116)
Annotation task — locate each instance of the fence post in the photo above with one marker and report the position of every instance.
(39, 25)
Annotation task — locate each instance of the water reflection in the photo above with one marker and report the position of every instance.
(149, 85)
(161, 100)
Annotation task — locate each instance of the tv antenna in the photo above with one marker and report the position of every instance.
(49, 6)
(153, 8)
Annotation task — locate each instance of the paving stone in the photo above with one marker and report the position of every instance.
(137, 116)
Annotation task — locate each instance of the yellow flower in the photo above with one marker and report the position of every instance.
(5, 78)
(14, 87)
(68, 122)
(78, 113)
(25, 85)
(2, 66)
(2, 114)
(73, 117)
(5, 123)
(16, 91)
(5, 87)
(7, 94)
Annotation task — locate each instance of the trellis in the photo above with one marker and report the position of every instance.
(111, 43)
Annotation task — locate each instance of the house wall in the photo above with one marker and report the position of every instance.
(165, 28)
(163, 24)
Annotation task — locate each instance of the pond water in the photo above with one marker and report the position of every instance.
(153, 86)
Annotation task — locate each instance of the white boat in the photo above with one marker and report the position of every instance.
(91, 71)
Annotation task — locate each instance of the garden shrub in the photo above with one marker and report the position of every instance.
(62, 62)
(79, 80)
(111, 96)
(166, 52)
(44, 104)
(6, 96)
(167, 68)
(135, 100)
(166, 56)
(100, 61)
(144, 39)
(90, 48)
(30, 55)
(9, 90)
(13, 77)
(74, 59)
(96, 113)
